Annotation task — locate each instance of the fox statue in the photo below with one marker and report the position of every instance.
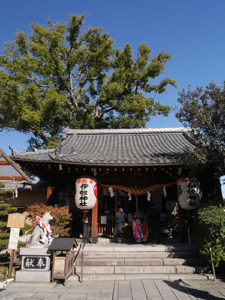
(41, 236)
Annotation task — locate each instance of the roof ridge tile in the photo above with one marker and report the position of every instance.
(68, 131)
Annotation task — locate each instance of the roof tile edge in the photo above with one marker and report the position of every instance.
(15, 152)
(68, 131)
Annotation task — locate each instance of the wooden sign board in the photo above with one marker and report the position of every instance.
(13, 238)
(16, 220)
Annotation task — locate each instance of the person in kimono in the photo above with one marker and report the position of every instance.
(144, 227)
(137, 230)
(120, 221)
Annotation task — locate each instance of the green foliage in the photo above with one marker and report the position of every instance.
(5, 209)
(6, 192)
(21, 244)
(3, 224)
(2, 185)
(62, 76)
(3, 243)
(61, 218)
(25, 229)
(4, 271)
(4, 235)
(209, 232)
(203, 111)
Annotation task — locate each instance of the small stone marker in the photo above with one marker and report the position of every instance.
(35, 265)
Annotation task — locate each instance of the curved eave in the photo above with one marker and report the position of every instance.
(113, 164)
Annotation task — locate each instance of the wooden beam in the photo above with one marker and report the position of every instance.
(11, 178)
(11, 162)
(3, 162)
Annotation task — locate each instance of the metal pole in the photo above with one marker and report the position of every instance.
(82, 263)
(84, 227)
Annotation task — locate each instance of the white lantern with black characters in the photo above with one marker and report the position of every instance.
(189, 193)
(86, 193)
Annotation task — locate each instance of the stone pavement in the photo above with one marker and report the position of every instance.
(117, 290)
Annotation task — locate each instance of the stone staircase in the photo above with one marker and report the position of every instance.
(144, 261)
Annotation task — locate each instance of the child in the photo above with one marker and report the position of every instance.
(137, 230)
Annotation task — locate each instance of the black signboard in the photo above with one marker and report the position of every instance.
(62, 244)
(34, 262)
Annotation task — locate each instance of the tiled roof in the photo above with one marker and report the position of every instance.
(115, 147)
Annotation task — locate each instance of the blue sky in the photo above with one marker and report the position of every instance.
(191, 31)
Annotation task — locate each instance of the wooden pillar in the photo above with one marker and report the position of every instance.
(116, 209)
(49, 193)
(94, 221)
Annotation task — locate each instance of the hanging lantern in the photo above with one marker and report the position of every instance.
(189, 194)
(86, 193)
(111, 192)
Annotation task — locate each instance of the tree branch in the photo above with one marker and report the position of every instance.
(40, 134)
(37, 82)
(74, 101)
(100, 113)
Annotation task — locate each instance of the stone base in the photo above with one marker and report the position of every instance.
(33, 276)
(94, 240)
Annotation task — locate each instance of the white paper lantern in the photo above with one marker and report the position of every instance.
(86, 193)
(189, 193)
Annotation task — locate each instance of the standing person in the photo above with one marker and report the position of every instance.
(120, 221)
(137, 230)
(144, 226)
(154, 220)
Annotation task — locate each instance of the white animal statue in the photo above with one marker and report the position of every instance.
(41, 236)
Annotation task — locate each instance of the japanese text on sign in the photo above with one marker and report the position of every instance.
(86, 193)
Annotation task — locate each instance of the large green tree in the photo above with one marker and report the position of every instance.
(204, 111)
(62, 76)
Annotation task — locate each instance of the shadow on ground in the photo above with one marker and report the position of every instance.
(191, 291)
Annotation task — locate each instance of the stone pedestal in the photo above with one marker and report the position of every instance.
(35, 265)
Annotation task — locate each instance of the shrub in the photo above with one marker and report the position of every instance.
(5, 209)
(61, 218)
(209, 232)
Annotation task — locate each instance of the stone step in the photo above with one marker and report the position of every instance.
(137, 254)
(139, 248)
(134, 270)
(111, 277)
(136, 261)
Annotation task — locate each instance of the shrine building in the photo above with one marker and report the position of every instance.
(134, 168)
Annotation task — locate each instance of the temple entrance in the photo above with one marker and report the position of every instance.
(154, 210)
(157, 212)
